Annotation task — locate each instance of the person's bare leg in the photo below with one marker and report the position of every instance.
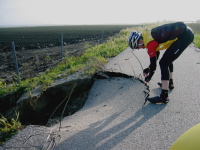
(171, 75)
(171, 84)
(165, 84)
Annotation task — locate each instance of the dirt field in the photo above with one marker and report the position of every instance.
(33, 62)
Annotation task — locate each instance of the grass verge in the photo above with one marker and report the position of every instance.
(9, 128)
(197, 40)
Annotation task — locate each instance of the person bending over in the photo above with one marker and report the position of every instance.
(174, 38)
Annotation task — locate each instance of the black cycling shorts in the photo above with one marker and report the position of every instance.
(174, 51)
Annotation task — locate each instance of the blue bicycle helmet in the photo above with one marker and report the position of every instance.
(133, 39)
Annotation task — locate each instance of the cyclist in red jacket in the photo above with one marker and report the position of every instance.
(175, 38)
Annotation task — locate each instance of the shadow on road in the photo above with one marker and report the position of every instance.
(99, 136)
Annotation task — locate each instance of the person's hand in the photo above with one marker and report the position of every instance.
(146, 72)
(147, 79)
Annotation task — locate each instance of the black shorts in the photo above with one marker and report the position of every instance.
(174, 51)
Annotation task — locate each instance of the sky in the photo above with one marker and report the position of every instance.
(73, 12)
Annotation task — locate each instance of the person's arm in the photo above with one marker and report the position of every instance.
(149, 72)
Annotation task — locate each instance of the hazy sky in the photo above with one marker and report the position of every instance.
(36, 12)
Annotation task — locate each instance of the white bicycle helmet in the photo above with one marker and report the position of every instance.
(133, 39)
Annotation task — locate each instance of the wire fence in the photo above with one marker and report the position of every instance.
(61, 52)
(26, 55)
(25, 52)
(42, 37)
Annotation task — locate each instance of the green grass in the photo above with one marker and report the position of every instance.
(196, 29)
(197, 40)
(9, 128)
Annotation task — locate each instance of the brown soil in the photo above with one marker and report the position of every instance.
(33, 62)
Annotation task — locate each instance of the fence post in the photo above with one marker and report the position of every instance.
(61, 49)
(102, 37)
(15, 61)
